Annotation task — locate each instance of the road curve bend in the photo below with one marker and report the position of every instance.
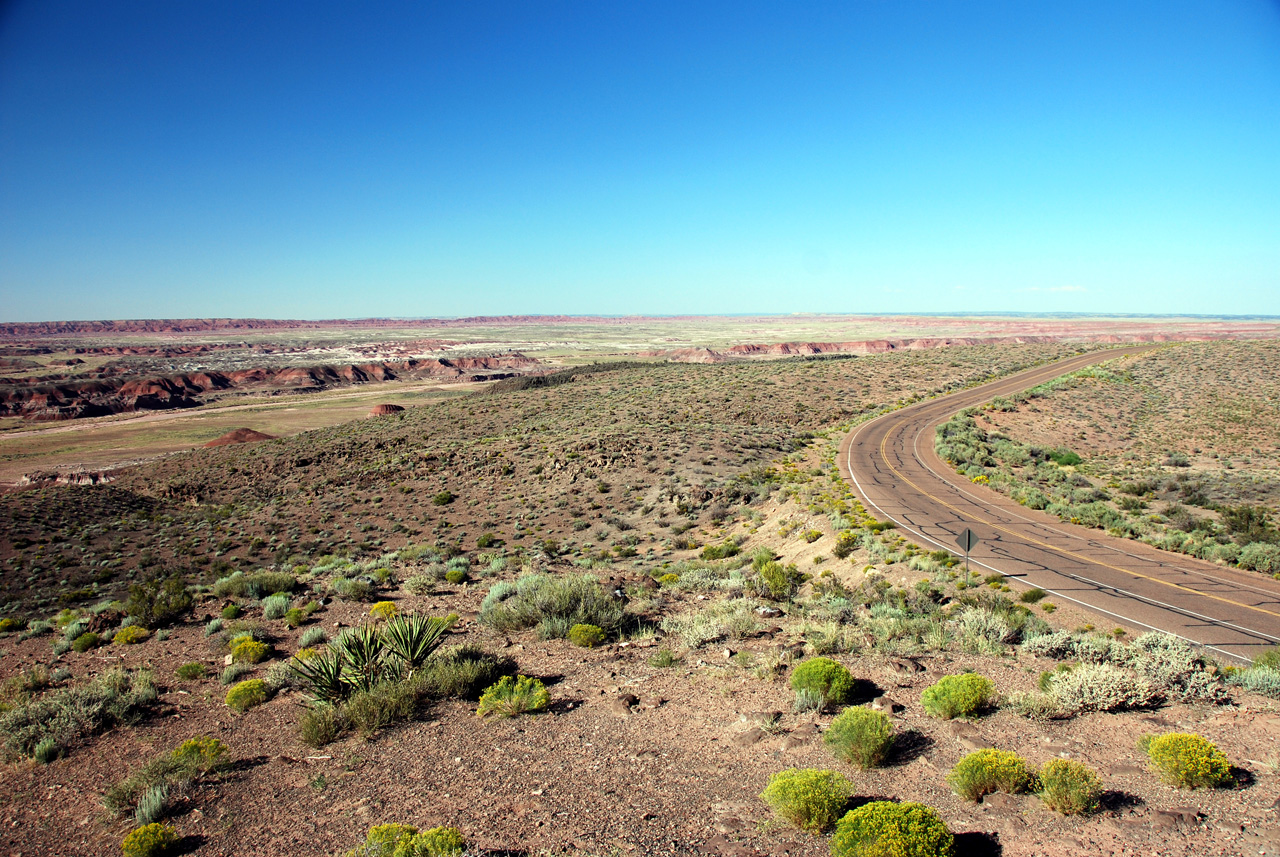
(892, 465)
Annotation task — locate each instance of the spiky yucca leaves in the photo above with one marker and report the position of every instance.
(363, 655)
(325, 677)
(412, 639)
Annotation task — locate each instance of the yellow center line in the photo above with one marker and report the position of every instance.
(884, 455)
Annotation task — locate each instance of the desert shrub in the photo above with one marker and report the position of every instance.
(731, 618)
(860, 736)
(37, 628)
(1069, 787)
(153, 805)
(313, 637)
(420, 584)
(1173, 667)
(1260, 679)
(586, 636)
(158, 601)
(985, 772)
(151, 840)
(247, 694)
(130, 635)
(721, 551)
(319, 725)
(982, 631)
(456, 576)
(248, 651)
(275, 606)
(384, 610)
(231, 612)
(779, 581)
(886, 829)
(196, 757)
(46, 751)
(663, 659)
(1260, 556)
(9, 624)
(350, 588)
(551, 603)
(958, 696)
(826, 677)
(402, 840)
(255, 586)
(86, 641)
(1187, 761)
(293, 617)
(1031, 596)
(462, 672)
(1056, 644)
(385, 703)
(810, 799)
(234, 672)
(443, 498)
(1100, 687)
(846, 544)
(512, 696)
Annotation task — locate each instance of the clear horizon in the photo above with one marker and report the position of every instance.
(322, 161)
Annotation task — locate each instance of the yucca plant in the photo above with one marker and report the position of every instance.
(325, 676)
(363, 654)
(412, 639)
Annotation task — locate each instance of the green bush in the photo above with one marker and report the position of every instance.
(810, 799)
(1187, 761)
(231, 612)
(178, 768)
(9, 624)
(257, 585)
(248, 651)
(402, 840)
(247, 694)
(275, 606)
(158, 601)
(988, 771)
(721, 551)
(1069, 787)
(456, 576)
(780, 582)
(886, 829)
(825, 677)
(319, 726)
(1031, 596)
(86, 641)
(586, 636)
(444, 498)
(958, 696)
(117, 696)
(130, 635)
(846, 543)
(554, 604)
(151, 840)
(293, 617)
(512, 696)
(860, 736)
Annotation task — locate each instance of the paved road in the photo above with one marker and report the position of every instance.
(891, 463)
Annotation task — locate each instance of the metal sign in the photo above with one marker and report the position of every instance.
(967, 540)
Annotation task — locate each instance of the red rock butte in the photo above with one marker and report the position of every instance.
(240, 435)
(384, 410)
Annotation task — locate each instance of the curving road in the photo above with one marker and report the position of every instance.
(892, 464)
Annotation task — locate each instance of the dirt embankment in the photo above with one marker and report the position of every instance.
(883, 346)
(103, 396)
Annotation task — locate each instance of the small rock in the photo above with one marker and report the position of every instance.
(1178, 816)
(975, 742)
(764, 718)
(887, 705)
(1125, 771)
(805, 730)
(768, 612)
(961, 728)
(794, 742)
(651, 703)
(227, 660)
(729, 653)
(904, 667)
(746, 739)
(621, 706)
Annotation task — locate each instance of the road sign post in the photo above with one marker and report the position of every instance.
(966, 541)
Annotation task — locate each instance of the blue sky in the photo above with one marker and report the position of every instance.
(439, 159)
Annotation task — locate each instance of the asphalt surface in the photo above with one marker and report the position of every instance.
(892, 464)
